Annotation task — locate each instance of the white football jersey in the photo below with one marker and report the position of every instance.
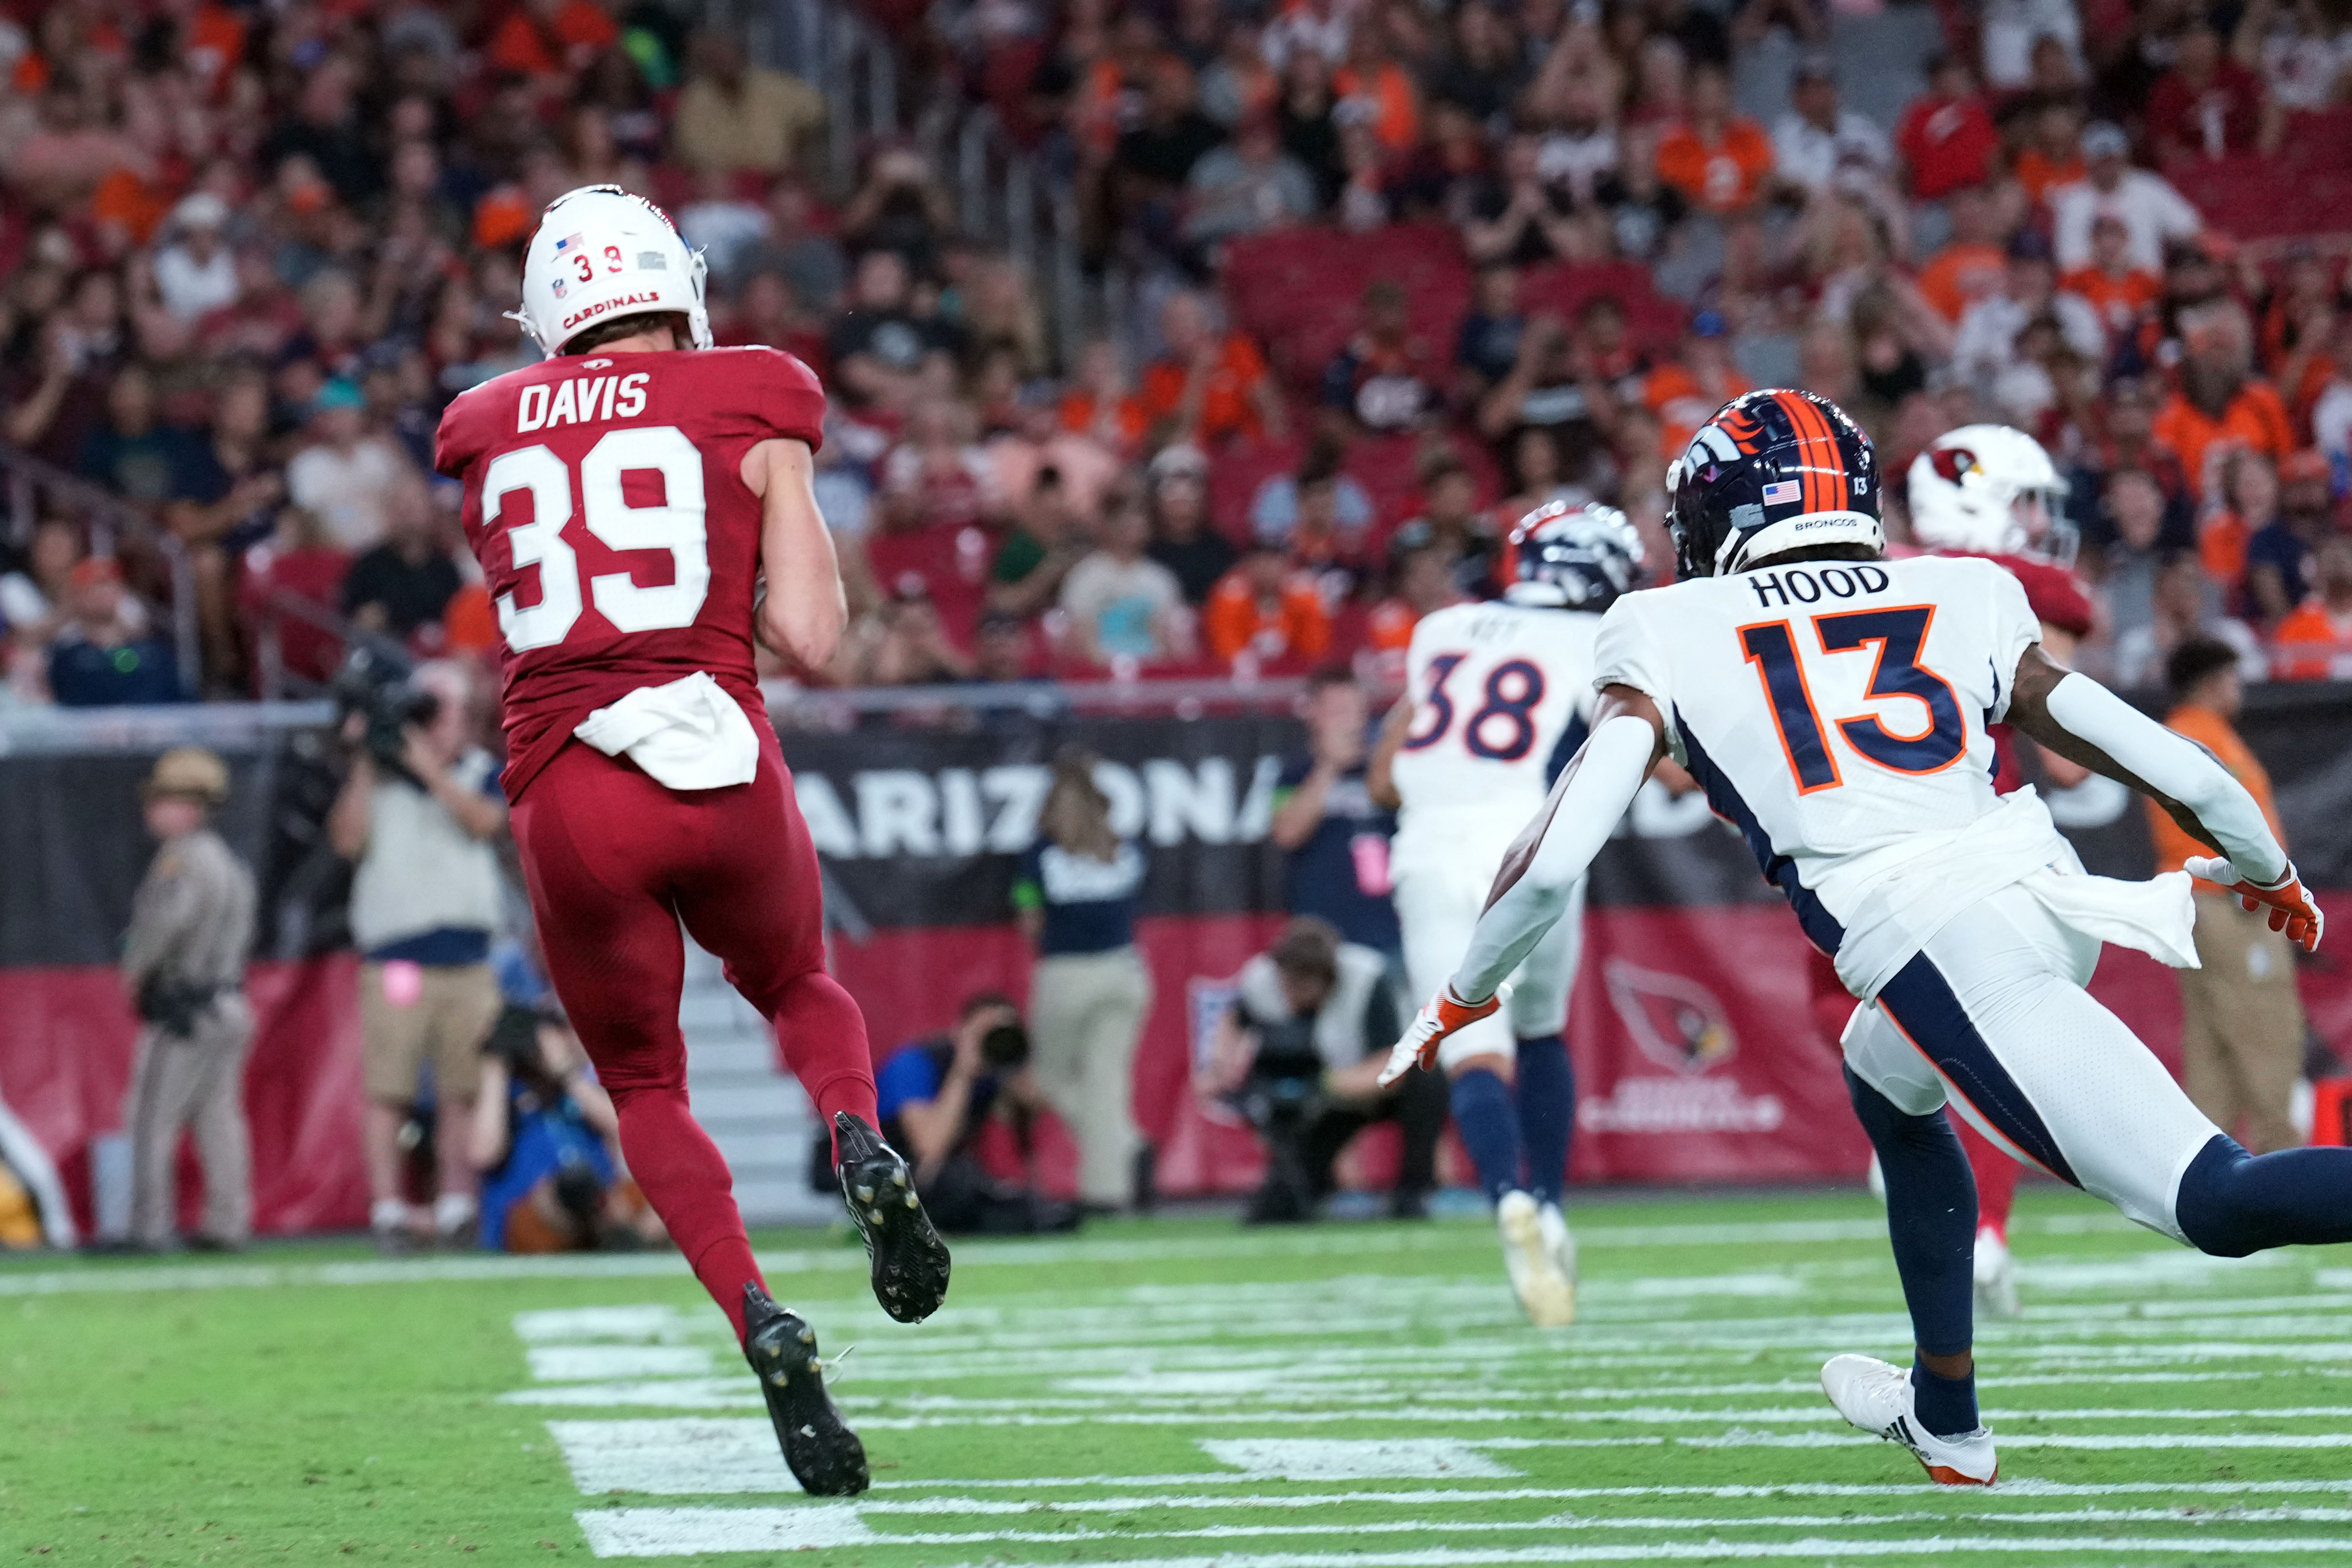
(1834, 712)
(1493, 687)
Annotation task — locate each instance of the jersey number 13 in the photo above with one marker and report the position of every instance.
(675, 526)
(1898, 633)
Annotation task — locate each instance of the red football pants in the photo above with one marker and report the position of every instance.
(1996, 1173)
(615, 863)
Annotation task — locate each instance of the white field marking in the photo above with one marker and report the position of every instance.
(684, 1531)
(2023, 1487)
(1319, 1460)
(2175, 1266)
(674, 1457)
(673, 1394)
(678, 1532)
(670, 1540)
(2023, 1440)
(587, 1362)
(570, 1325)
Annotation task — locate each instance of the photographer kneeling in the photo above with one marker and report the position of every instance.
(935, 1096)
(1299, 1054)
(419, 812)
(548, 1146)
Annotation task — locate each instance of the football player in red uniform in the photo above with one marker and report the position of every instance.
(625, 501)
(1989, 490)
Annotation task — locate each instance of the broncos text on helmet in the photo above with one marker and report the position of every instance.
(1773, 471)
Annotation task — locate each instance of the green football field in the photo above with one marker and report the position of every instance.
(1180, 1392)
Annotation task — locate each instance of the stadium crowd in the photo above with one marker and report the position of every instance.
(1401, 270)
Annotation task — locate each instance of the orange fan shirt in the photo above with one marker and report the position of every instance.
(1959, 275)
(1235, 618)
(2255, 418)
(1723, 177)
(2211, 731)
(2118, 301)
(1683, 404)
(1228, 407)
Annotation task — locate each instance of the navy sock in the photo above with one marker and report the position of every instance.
(1931, 1217)
(2231, 1203)
(1947, 1405)
(1489, 1125)
(1547, 1095)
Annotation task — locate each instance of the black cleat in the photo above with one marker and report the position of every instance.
(825, 1455)
(910, 1261)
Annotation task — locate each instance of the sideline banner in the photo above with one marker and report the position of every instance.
(1697, 1055)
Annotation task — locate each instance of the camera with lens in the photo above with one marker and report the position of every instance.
(1005, 1047)
(378, 685)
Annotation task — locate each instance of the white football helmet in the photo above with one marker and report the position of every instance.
(599, 254)
(1991, 490)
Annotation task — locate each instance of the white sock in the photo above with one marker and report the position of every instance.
(452, 1210)
(387, 1214)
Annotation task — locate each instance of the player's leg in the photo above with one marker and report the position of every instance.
(1931, 1217)
(1545, 1087)
(749, 888)
(1996, 1178)
(755, 899)
(596, 837)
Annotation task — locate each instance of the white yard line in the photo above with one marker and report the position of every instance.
(2026, 1486)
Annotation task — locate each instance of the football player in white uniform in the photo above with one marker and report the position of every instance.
(1497, 698)
(1833, 703)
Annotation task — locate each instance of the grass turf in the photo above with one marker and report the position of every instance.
(1353, 1395)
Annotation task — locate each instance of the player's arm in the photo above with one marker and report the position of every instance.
(2081, 720)
(1379, 773)
(804, 611)
(1539, 871)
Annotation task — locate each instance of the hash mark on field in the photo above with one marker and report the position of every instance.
(686, 1457)
(1314, 1459)
(684, 1531)
(589, 1363)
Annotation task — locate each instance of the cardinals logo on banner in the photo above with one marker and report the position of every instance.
(1676, 1022)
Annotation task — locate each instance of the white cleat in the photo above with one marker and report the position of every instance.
(1558, 1244)
(1878, 1398)
(1548, 1296)
(1996, 1276)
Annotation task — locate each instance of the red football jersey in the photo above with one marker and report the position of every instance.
(604, 501)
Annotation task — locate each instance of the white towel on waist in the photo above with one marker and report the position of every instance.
(688, 735)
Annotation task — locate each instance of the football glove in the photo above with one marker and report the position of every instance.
(2292, 909)
(1441, 1015)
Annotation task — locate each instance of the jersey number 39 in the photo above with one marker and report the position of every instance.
(1771, 647)
(675, 526)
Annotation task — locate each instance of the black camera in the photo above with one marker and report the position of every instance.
(1005, 1047)
(378, 685)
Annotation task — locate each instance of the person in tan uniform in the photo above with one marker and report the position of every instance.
(2241, 1023)
(183, 965)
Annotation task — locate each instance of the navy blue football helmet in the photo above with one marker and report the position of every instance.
(1561, 557)
(1773, 471)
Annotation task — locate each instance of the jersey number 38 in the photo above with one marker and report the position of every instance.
(1897, 634)
(676, 524)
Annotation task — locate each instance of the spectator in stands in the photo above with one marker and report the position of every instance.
(1268, 609)
(1049, 535)
(1306, 116)
(1515, 217)
(426, 901)
(195, 274)
(1245, 187)
(2129, 564)
(2183, 604)
(2305, 50)
(2279, 551)
(937, 1095)
(404, 584)
(1488, 345)
(2208, 105)
(2243, 1025)
(132, 454)
(792, 245)
(1211, 385)
(1334, 840)
(1971, 265)
(1182, 538)
(1817, 141)
(1460, 530)
(1553, 386)
(2121, 293)
(1946, 137)
(1685, 390)
(1380, 382)
(1423, 578)
(2012, 29)
(1719, 160)
(343, 473)
(902, 206)
(1154, 159)
(2220, 404)
(1125, 608)
(2151, 211)
(2053, 153)
(1988, 342)
(78, 348)
(1485, 68)
(1077, 896)
(2315, 640)
(36, 600)
(913, 648)
(105, 655)
(1299, 1053)
(883, 353)
(733, 116)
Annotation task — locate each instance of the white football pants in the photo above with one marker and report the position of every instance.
(1991, 1016)
(1438, 907)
